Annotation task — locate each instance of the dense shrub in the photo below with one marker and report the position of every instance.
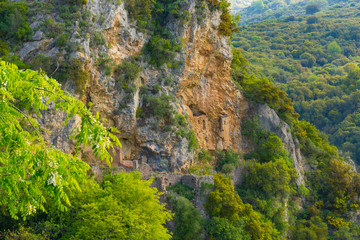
(22, 234)
(79, 76)
(140, 10)
(160, 51)
(225, 203)
(312, 9)
(159, 106)
(126, 73)
(4, 49)
(188, 220)
(226, 161)
(13, 21)
(228, 24)
(53, 29)
(182, 190)
(223, 229)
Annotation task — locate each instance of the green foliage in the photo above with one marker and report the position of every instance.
(13, 22)
(262, 90)
(203, 165)
(258, 5)
(314, 145)
(140, 10)
(22, 234)
(188, 220)
(334, 48)
(228, 24)
(323, 85)
(224, 203)
(4, 49)
(105, 64)
(97, 39)
(160, 50)
(78, 75)
(348, 232)
(307, 60)
(226, 161)
(269, 147)
(204, 156)
(182, 190)
(121, 206)
(337, 184)
(190, 136)
(53, 29)
(223, 229)
(315, 229)
(77, 2)
(159, 106)
(126, 73)
(312, 9)
(125, 207)
(33, 171)
(268, 180)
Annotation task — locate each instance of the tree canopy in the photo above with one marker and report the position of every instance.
(32, 170)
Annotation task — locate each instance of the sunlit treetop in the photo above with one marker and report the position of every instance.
(31, 168)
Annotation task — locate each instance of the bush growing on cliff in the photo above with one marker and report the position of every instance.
(13, 21)
(126, 72)
(160, 50)
(262, 90)
(140, 10)
(188, 220)
(182, 190)
(226, 161)
(268, 180)
(229, 23)
(4, 49)
(159, 106)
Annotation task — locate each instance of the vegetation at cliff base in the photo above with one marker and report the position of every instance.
(41, 182)
(293, 57)
(32, 169)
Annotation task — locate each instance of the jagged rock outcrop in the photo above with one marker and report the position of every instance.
(270, 121)
(204, 91)
(205, 94)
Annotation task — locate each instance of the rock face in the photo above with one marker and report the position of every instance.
(164, 180)
(204, 93)
(270, 121)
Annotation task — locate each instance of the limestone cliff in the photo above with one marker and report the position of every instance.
(214, 107)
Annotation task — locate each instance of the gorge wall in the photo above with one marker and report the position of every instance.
(203, 93)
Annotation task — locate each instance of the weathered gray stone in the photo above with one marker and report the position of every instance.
(270, 121)
(28, 48)
(38, 36)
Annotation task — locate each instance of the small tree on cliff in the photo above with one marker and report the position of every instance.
(32, 170)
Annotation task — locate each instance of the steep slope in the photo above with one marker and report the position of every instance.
(206, 98)
(315, 60)
(260, 10)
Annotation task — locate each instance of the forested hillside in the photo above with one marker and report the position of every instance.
(260, 10)
(315, 59)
